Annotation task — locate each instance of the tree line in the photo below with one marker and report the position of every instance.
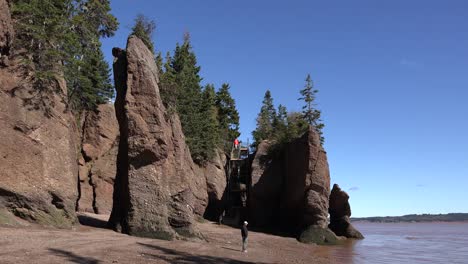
(62, 38)
(280, 126)
(209, 118)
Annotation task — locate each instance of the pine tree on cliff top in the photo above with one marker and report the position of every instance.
(265, 120)
(228, 116)
(144, 29)
(309, 112)
(63, 37)
(86, 71)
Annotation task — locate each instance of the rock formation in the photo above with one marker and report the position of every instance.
(215, 175)
(6, 32)
(38, 171)
(340, 212)
(267, 185)
(156, 191)
(291, 189)
(97, 164)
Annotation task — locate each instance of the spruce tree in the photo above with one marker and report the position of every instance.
(265, 120)
(188, 103)
(42, 29)
(209, 119)
(309, 113)
(86, 71)
(167, 85)
(61, 38)
(144, 29)
(228, 116)
(280, 124)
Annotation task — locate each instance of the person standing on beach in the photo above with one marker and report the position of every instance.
(245, 234)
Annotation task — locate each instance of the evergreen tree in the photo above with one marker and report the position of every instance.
(167, 85)
(61, 37)
(280, 124)
(144, 29)
(309, 112)
(296, 125)
(42, 28)
(265, 120)
(86, 71)
(228, 116)
(189, 99)
(209, 119)
(159, 64)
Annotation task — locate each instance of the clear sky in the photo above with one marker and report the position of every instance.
(392, 79)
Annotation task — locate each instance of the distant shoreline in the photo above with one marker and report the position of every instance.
(414, 218)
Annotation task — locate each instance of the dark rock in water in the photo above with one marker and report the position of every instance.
(290, 190)
(38, 170)
(340, 212)
(97, 166)
(318, 235)
(157, 190)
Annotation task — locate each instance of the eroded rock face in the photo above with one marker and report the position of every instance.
(38, 170)
(307, 182)
(267, 186)
(6, 31)
(215, 175)
(340, 212)
(97, 164)
(290, 189)
(156, 188)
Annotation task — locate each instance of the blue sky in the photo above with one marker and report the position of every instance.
(392, 79)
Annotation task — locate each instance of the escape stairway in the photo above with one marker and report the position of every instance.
(238, 184)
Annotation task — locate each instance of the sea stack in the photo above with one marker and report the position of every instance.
(156, 188)
(340, 212)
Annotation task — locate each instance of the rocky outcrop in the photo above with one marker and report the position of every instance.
(267, 186)
(156, 189)
(215, 175)
(38, 171)
(340, 212)
(6, 32)
(290, 189)
(97, 164)
(306, 183)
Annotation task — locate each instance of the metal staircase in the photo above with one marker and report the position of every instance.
(238, 185)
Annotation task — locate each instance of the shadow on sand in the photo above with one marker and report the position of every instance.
(175, 256)
(72, 257)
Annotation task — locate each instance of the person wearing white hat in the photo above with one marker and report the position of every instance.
(245, 234)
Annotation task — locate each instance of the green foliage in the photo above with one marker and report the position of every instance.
(228, 116)
(310, 113)
(181, 92)
(265, 120)
(209, 119)
(61, 38)
(144, 29)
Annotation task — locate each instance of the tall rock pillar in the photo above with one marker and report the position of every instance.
(156, 189)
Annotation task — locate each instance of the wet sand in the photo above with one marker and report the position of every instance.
(95, 245)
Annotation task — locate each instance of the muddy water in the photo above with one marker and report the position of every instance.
(405, 243)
